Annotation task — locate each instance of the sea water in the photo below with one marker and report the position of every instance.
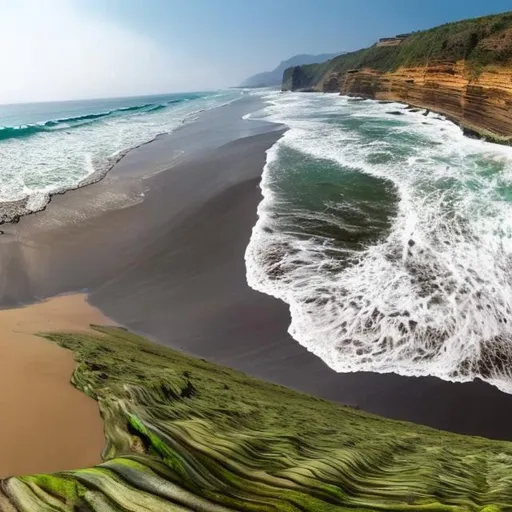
(389, 234)
(51, 147)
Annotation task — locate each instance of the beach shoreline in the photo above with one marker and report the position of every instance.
(92, 162)
(166, 260)
(48, 425)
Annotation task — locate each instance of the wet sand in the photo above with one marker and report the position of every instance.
(47, 425)
(162, 252)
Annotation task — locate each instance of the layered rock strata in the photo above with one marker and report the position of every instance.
(481, 104)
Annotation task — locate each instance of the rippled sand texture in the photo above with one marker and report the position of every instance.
(184, 434)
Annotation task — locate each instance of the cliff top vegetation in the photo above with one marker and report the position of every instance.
(479, 41)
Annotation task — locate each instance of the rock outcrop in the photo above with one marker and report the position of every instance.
(274, 77)
(481, 105)
(300, 81)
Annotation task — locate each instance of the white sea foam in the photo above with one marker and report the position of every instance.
(434, 296)
(51, 160)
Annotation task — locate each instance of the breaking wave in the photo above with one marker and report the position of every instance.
(53, 147)
(389, 234)
(8, 132)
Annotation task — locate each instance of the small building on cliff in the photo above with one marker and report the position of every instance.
(392, 41)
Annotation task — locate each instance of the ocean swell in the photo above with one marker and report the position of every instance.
(429, 295)
(66, 123)
(70, 152)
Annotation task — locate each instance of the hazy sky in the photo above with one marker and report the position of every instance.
(69, 49)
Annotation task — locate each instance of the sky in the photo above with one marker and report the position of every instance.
(54, 50)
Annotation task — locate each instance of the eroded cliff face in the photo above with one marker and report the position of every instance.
(480, 103)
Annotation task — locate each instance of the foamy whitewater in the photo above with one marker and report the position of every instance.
(51, 147)
(389, 234)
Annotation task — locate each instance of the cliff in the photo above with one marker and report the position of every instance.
(481, 105)
(462, 70)
(274, 77)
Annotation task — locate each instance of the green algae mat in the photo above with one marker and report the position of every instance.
(185, 434)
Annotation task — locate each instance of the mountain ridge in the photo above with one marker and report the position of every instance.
(274, 77)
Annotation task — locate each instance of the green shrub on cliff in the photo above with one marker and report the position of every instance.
(184, 434)
(479, 41)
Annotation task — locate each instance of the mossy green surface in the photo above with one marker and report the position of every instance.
(185, 434)
(479, 41)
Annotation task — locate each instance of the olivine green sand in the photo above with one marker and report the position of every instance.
(184, 434)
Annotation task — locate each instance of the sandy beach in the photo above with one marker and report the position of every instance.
(159, 247)
(47, 424)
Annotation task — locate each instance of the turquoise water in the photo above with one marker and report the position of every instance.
(389, 236)
(50, 147)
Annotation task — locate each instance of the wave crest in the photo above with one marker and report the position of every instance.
(431, 297)
(10, 132)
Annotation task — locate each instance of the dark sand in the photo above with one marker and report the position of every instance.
(171, 265)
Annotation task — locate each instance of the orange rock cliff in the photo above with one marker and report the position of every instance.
(481, 105)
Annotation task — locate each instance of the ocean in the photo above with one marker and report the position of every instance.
(389, 235)
(52, 147)
(386, 231)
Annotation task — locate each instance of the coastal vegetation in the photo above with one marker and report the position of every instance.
(479, 42)
(185, 434)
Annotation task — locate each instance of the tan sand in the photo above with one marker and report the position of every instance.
(46, 424)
